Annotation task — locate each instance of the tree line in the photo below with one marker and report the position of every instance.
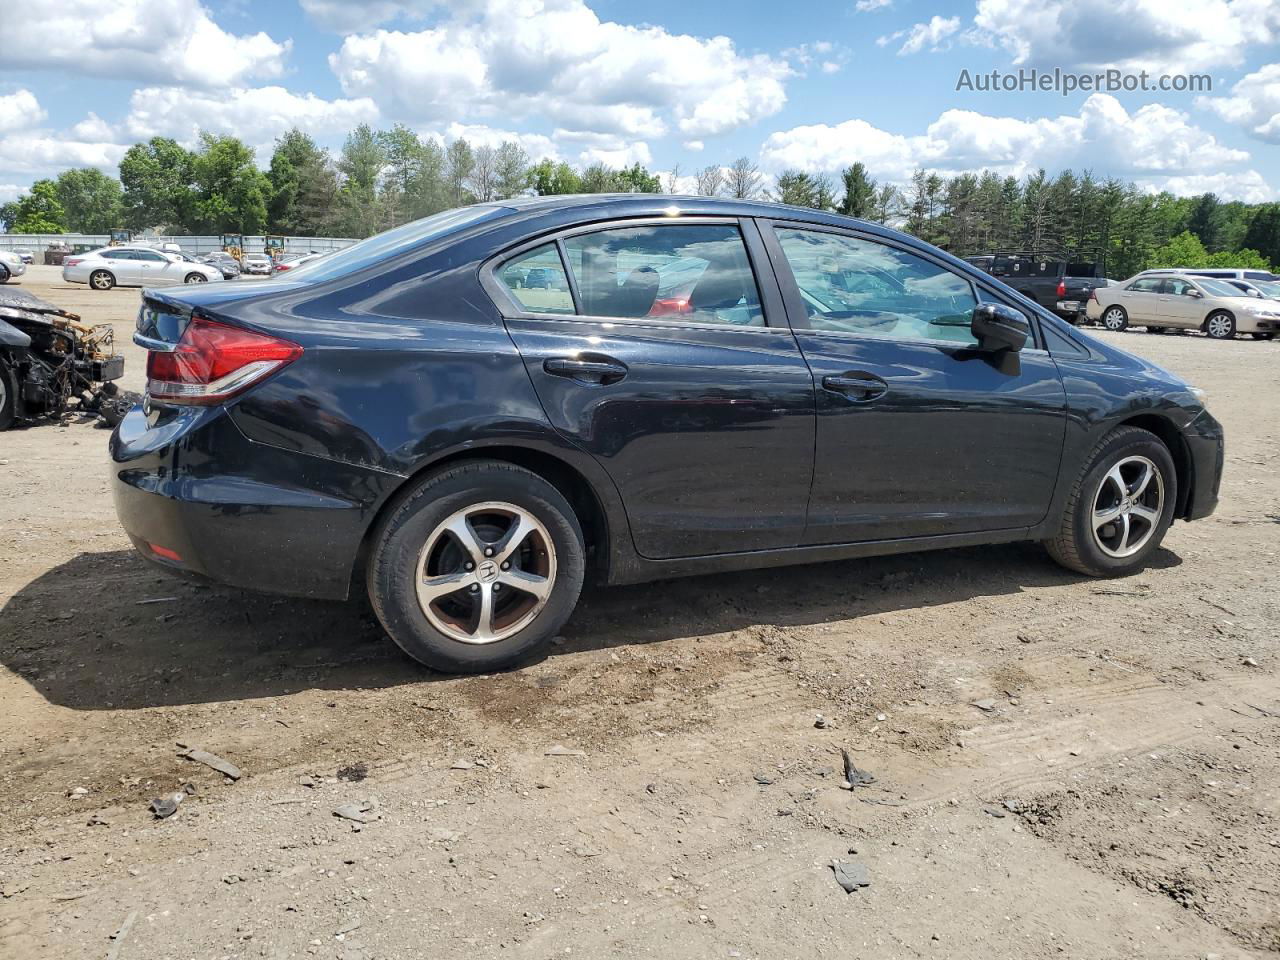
(382, 178)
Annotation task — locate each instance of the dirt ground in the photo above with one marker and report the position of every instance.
(1121, 798)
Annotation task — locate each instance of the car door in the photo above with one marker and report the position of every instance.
(687, 386)
(123, 266)
(919, 432)
(1141, 301)
(155, 269)
(1181, 303)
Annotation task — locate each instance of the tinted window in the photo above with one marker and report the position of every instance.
(690, 272)
(1256, 275)
(1179, 288)
(1146, 285)
(853, 285)
(393, 242)
(148, 255)
(119, 255)
(537, 281)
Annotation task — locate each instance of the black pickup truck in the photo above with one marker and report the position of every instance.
(1057, 285)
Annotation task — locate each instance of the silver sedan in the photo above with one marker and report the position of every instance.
(134, 267)
(11, 265)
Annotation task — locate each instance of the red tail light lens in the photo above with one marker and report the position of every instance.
(1062, 288)
(213, 362)
(71, 261)
(1093, 294)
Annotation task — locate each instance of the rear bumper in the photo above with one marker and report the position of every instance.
(197, 497)
(1207, 447)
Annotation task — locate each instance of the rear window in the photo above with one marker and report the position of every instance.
(393, 242)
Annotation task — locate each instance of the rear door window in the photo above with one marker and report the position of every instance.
(696, 273)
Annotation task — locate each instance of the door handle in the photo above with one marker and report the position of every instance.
(586, 371)
(857, 387)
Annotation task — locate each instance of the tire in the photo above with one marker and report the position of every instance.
(195, 278)
(101, 280)
(8, 395)
(415, 542)
(4, 273)
(1263, 335)
(1115, 319)
(1220, 325)
(1100, 551)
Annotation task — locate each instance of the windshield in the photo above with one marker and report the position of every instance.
(384, 245)
(1269, 288)
(1219, 288)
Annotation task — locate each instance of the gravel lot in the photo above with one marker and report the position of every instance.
(1121, 798)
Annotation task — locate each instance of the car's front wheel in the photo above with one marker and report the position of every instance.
(1115, 319)
(1220, 326)
(195, 278)
(101, 280)
(4, 273)
(477, 567)
(1120, 507)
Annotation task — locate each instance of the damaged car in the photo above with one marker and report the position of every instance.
(51, 363)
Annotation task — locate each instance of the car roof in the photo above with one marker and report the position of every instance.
(657, 204)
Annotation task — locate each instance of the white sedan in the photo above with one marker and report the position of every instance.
(134, 267)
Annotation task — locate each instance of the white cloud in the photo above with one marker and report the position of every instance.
(93, 127)
(41, 154)
(166, 41)
(347, 16)
(694, 146)
(1254, 103)
(536, 145)
(1128, 34)
(1248, 186)
(20, 110)
(867, 6)
(556, 59)
(10, 191)
(1154, 143)
(623, 156)
(933, 35)
(256, 115)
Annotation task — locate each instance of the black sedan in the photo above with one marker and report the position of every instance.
(700, 385)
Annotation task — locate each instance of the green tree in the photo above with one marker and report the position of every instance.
(8, 215)
(598, 178)
(295, 161)
(548, 178)
(360, 167)
(636, 179)
(459, 162)
(1184, 250)
(230, 191)
(1238, 259)
(156, 177)
(1204, 219)
(512, 169)
(1263, 232)
(859, 192)
(38, 211)
(91, 200)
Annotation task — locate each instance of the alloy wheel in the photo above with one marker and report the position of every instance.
(1127, 507)
(485, 572)
(1114, 320)
(101, 281)
(197, 278)
(1220, 326)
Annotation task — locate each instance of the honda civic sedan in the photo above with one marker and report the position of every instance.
(398, 418)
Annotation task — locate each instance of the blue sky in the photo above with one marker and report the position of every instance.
(814, 85)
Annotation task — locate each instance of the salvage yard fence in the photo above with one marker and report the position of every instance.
(37, 243)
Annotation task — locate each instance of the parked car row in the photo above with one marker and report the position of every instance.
(110, 267)
(11, 265)
(1222, 304)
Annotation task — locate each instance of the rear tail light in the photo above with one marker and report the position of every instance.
(213, 362)
(1062, 288)
(71, 261)
(1093, 294)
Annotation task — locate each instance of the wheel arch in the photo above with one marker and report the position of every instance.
(598, 532)
(1204, 324)
(1171, 437)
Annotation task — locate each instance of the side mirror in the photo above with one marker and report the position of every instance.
(997, 327)
(1193, 292)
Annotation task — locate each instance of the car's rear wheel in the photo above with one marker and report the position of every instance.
(4, 273)
(1263, 335)
(1120, 507)
(195, 278)
(1220, 325)
(101, 280)
(1115, 319)
(8, 395)
(477, 567)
